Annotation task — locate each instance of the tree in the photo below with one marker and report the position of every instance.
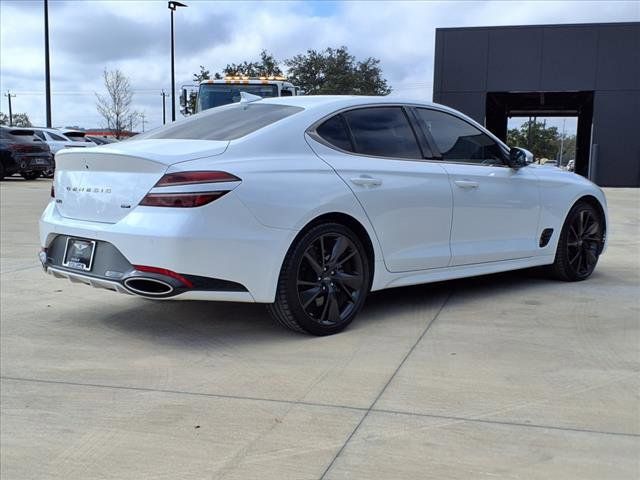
(336, 71)
(543, 141)
(115, 107)
(19, 120)
(266, 67)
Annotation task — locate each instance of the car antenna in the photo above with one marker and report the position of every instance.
(249, 97)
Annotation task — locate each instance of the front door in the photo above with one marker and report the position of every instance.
(495, 208)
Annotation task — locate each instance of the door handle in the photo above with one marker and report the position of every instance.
(466, 184)
(366, 181)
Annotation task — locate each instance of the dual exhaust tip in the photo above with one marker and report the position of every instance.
(148, 287)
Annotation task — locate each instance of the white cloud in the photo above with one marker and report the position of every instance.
(134, 36)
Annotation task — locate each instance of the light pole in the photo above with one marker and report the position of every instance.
(47, 74)
(172, 6)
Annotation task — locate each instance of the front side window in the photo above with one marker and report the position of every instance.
(458, 140)
(334, 131)
(382, 132)
(224, 123)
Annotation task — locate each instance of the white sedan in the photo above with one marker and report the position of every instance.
(309, 203)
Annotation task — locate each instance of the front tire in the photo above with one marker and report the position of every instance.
(580, 244)
(324, 281)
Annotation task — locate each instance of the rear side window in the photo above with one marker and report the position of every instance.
(57, 138)
(40, 135)
(382, 132)
(224, 123)
(335, 132)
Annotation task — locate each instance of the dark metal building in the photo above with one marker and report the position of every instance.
(591, 71)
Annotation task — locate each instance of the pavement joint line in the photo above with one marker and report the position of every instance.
(386, 385)
(506, 423)
(183, 392)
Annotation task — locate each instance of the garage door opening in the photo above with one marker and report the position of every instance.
(552, 140)
(507, 109)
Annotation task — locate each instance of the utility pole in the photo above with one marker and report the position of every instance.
(142, 116)
(9, 95)
(564, 120)
(172, 6)
(164, 108)
(47, 75)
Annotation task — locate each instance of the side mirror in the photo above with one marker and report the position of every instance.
(519, 157)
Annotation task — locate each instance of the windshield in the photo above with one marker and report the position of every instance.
(217, 94)
(224, 123)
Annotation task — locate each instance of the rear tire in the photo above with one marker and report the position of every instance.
(324, 281)
(30, 175)
(580, 244)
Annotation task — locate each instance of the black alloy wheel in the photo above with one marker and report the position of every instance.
(580, 243)
(324, 281)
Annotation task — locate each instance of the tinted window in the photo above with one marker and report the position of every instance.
(58, 138)
(335, 132)
(215, 95)
(458, 140)
(382, 132)
(39, 134)
(224, 123)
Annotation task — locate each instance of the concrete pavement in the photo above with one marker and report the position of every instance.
(504, 376)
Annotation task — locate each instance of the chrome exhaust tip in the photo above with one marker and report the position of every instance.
(149, 287)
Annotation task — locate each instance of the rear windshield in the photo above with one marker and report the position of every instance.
(224, 123)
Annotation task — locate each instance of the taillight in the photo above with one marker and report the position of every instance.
(182, 199)
(190, 178)
(163, 271)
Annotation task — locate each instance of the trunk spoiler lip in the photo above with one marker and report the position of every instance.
(155, 150)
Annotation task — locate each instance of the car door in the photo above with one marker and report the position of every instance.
(408, 200)
(495, 208)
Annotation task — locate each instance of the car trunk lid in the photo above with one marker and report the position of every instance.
(105, 184)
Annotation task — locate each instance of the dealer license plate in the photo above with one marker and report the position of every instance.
(78, 254)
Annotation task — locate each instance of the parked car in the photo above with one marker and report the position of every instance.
(308, 203)
(24, 153)
(78, 137)
(101, 140)
(56, 141)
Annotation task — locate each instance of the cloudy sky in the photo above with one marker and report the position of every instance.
(87, 36)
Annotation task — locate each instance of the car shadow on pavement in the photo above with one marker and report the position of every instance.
(194, 323)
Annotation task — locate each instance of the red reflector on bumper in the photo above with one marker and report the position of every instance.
(165, 272)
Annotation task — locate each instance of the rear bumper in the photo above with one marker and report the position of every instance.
(222, 242)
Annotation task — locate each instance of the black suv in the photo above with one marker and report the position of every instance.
(24, 153)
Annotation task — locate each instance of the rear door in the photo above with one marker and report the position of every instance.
(495, 208)
(408, 200)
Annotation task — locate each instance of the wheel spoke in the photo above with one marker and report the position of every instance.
(346, 258)
(314, 264)
(351, 281)
(591, 258)
(591, 230)
(576, 257)
(322, 252)
(309, 296)
(334, 309)
(306, 283)
(338, 249)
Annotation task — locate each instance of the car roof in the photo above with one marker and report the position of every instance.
(343, 101)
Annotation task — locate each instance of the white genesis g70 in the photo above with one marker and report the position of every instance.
(309, 203)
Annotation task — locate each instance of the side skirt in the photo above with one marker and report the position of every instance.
(391, 280)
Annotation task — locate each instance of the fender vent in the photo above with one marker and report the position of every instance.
(545, 237)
